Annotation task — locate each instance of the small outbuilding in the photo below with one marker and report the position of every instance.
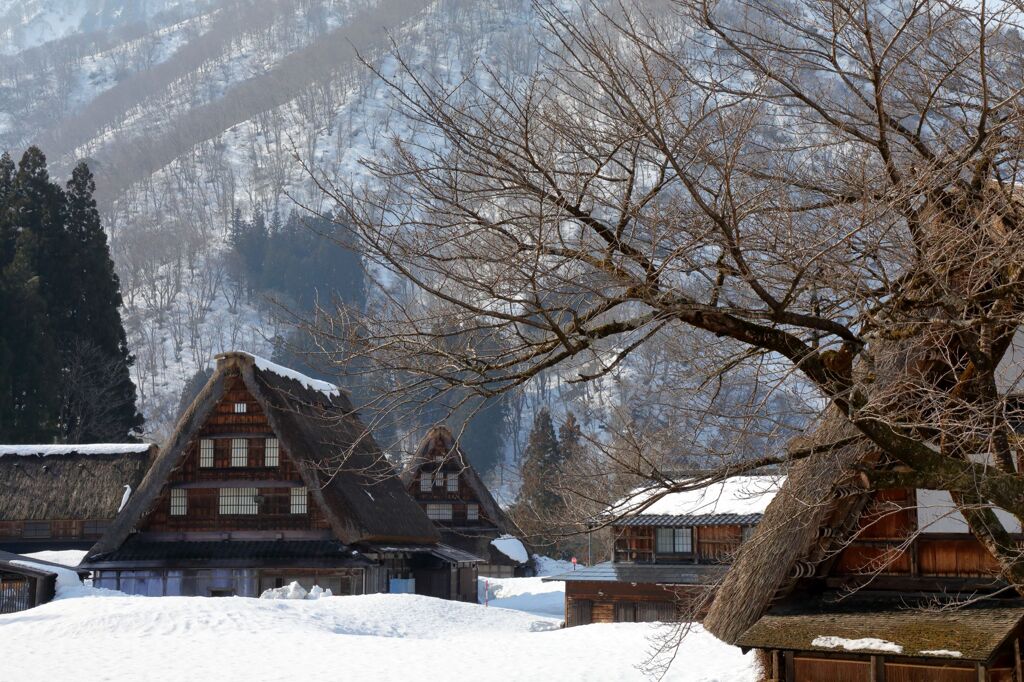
(26, 582)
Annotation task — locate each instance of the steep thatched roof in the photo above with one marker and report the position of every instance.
(54, 482)
(439, 445)
(346, 472)
(819, 503)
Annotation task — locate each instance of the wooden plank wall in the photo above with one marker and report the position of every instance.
(717, 544)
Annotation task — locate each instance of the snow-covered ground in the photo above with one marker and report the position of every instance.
(103, 635)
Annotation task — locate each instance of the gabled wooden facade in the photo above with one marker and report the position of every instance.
(65, 496)
(270, 478)
(668, 554)
(840, 582)
(441, 479)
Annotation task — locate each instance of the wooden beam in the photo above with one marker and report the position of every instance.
(775, 665)
(982, 673)
(1018, 670)
(790, 671)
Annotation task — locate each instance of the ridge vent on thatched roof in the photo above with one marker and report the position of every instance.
(328, 389)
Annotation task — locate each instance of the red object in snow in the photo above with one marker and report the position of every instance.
(574, 563)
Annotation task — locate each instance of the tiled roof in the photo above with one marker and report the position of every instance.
(660, 574)
(975, 632)
(441, 551)
(685, 520)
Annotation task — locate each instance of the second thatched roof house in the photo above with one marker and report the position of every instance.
(270, 478)
(65, 496)
(443, 481)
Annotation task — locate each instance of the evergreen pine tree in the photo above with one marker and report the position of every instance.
(541, 465)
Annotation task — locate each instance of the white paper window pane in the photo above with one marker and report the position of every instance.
(179, 501)
(206, 453)
(239, 452)
(453, 483)
(439, 512)
(473, 512)
(300, 500)
(664, 541)
(426, 482)
(241, 408)
(238, 501)
(271, 457)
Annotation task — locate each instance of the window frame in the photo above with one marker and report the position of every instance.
(472, 511)
(271, 445)
(235, 453)
(207, 453)
(298, 500)
(179, 502)
(439, 511)
(426, 481)
(241, 408)
(238, 501)
(451, 482)
(40, 530)
(679, 540)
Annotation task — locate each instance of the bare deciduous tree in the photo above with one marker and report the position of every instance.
(828, 189)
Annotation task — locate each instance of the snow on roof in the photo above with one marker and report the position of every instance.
(863, 644)
(510, 546)
(735, 495)
(87, 449)
(328, 389)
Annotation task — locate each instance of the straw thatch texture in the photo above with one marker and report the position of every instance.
(68, 486)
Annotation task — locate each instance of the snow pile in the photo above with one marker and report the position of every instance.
(64, 557)
(69, 585)
(328, 389)
(124, 498)
(545, 565)
(736, 495)
(941, 652)
(88, 449)
(863, 644)
(398, 637)
(530, 595)
(510, 546)
(295, 591)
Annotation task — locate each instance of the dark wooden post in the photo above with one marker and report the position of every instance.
(790, 672)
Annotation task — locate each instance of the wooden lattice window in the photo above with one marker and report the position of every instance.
(453, 483)
(95, 527)
(179, 501)
(300, 500)
(426, 482)
(271, 453)
(674, 541)
(241, 408)
(206, 453)
(239, 452)
(439, 512)
(472, 512)
(238, 501)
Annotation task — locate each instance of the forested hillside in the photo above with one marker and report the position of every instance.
(201, 118)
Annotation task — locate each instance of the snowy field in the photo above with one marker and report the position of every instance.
(102, 635)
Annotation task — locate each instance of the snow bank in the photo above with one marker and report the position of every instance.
(545, 565)
(88, 449)
(64, 557)
(863, 644)
(69, 585)
(328, 389)
(398, 637)
(295, 591)
(941, 652)
(736, 495)
(510, 546)
(530, 595)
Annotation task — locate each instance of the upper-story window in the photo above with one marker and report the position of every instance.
(238, 501)
(206, 453)
(179, 501)
(271, 453)
(299, 500)
(472, 512)
(239, 452)
(241, 408)
(439, 512)
(674, 541)
(426, 482)
(438, 479)
(453, 483)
